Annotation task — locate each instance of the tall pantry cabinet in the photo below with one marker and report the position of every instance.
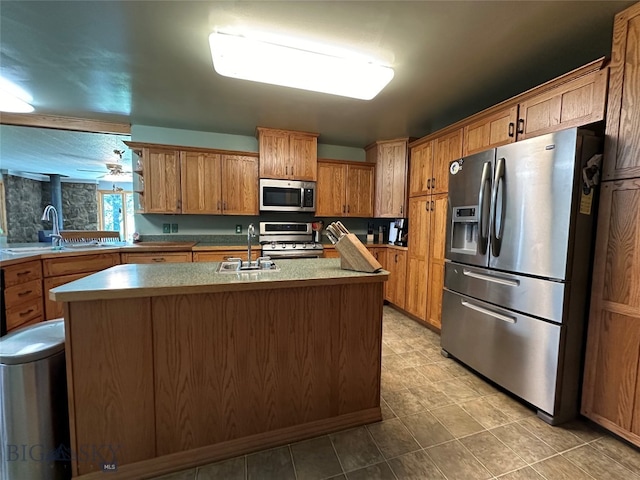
(611, 390)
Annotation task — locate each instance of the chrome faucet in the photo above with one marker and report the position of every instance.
(50, 213)
(251, 232)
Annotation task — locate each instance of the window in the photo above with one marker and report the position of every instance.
(116, 213)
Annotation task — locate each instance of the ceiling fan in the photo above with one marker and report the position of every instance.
(114, 169)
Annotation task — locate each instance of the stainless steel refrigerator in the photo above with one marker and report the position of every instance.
(518, 250)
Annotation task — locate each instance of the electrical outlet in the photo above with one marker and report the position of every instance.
(166, 228)
(238, 228)
(174, 228)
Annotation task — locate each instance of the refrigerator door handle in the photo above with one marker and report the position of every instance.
(491, 278)
(486, 311)
(498, 181)
(483, 234)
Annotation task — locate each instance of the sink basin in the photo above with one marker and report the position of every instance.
(18, 250)
(65, 247)
(232, 267)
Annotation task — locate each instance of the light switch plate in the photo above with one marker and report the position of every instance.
(238, 228)
(166, 228)
(174, 228)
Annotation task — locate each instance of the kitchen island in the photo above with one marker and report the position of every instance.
(172, 366)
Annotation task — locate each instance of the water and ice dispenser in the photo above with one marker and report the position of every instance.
(464, 230)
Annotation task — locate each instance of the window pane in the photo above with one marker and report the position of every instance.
(112, 212)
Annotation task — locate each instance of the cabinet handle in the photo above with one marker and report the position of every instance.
(224, 205)
(159, 259)
(22, 294)
(433, 183)
(24, 314)
(218, 205)
(520, 125)
(26, 272)
(429, 184)
(292, 170)
(432, 206)
(426, 206)
(286, 170)
(348, 209)
(396, 259)
(512, 129)
(344, 209)
(401, 209)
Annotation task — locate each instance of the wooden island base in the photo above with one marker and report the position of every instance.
(163, 383)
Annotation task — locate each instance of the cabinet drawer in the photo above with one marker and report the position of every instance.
(24, 272)
(173, 257)
(23, 292)
(222, 255)
(53, 309)
(26, 312)
(83, 263)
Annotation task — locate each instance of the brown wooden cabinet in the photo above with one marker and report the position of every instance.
(397, 267)
(429, 163)
(156, 257)
(498, 128)
(420, 169)
(201, 182)
(437, 234)
(161, 179)
(574, 103)
(64, 269)
(611, 390)
(622, 142)
(345, 189)
(23, 294)
(240, 194)
(390, 158)
(287, 154)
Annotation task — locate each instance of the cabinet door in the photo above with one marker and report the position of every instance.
(157, 257)
(447, 149)
(201, 183)
(360, 191)
(161, 181)
(274, 153)
(303, 151)
(53, 309)
(611, 379)
(492, 131)
(397, 263)
(240, 185)
(622, 141)
(437, 233)
(578, 102)
(416, 284)
(420, 169)
(331, 190)
(391, 177)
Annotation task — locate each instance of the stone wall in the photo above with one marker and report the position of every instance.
(23, 198)
(79, 205)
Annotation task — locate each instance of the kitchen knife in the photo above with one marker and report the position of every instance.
(342, 227)
(335, 231)
(331, 236)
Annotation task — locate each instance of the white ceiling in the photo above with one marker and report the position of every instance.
(148, 63)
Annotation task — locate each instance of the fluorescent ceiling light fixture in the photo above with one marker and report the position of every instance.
(13, 98)
(266, 62)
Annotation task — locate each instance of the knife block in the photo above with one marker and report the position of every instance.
(355, 256)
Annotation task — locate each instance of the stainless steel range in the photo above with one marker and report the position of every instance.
(288, 240)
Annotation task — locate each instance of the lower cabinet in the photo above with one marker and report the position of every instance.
(64, 269)
(22, 294)
(222, 255)
(611, 389)
(397, 267)
(156, 257)
(330, 252)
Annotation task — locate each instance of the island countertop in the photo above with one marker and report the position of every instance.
(134, 281)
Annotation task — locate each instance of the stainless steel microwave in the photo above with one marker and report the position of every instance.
(287, 196)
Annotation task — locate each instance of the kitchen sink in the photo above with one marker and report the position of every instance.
(254, 266)
(62, 248)
(18, 250)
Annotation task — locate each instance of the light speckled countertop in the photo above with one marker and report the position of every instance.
(131, 281)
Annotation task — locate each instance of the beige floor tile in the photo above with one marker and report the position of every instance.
(458, 389)
(403, 402)
(427, 429)
(315, 459)
(619, 451)
(523, 442)
(456, 369)
(379, 471)
(485, 413)
(492, 453)
(394, 362)
(556, 437)
(435, 372)
(415, 466)
(457, 421)
(184, 475)
(584, 429)
(232, 469)
(356, 449)
(414, 358)
(482, 387)
(391, 381)
(456, 462)
(526, 473)
(411, 378)
(598, 465)
(392, 438)
(513, 409)
(399, 346)
(387, 413)
(431, 397)
(559, 468)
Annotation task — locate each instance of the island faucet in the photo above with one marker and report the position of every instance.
(50, 213)
(251, 232)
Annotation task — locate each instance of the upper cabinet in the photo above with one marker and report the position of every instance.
(577, 102)
(345, 189)
(195, 181)
(498, 128)
(288, 155)
(390, 158)
(429, 163)
(622, 141)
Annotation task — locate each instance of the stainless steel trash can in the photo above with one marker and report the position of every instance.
(34, 415)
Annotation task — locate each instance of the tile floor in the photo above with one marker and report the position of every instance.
(440, 422)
